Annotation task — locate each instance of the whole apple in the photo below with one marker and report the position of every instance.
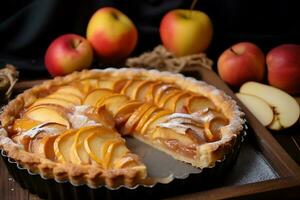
(241, 63)
(112, 34)
(68, 53)
(284, 68)
(185, 32)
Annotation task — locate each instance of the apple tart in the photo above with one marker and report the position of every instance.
(75, 127)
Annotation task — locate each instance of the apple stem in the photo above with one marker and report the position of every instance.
(76, 44)
(232, 50)
(192, 7)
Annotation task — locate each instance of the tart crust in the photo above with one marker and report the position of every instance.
(94, 176)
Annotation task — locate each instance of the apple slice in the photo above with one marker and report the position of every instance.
(199, 104)
(170, 103)
(151, 90)
(168, 95)
(161, 90)
(24, 124)
(68, 89)
(113, 103)
(133, 88)
(70, 98)
(89, 84)
(107, 84)
(79, 155)
(212, 128)
(126, 111)
(95, 141)
(155, 118)
(119, 85)
(62, 146)
(145, 117)
(96, 95)
(260, 109)
(54, 101)
(180, 106)
(101, 115)
(285, 107)
(48, 113)
(43, 146)
(142, 90)
(134, 118)
(128, 83)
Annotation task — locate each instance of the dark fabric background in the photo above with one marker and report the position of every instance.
(28, 26)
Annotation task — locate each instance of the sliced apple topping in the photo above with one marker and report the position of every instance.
(199, 104)
(161, 90)
(113, 103)
(213, 127)
(107, 84)
(119, 85)
(96, 95)
(79, 155)
(101, 116)
(142, 90)
(168, 95)
(68, 89)
(134, 118)
(181, 106)
(126, 111)
(54, 101)
(285, 108)
(154, 120)
(24, 124)
(43, 146)
(133, 88)
(145, 117)
(48, 113)
(70, 98)
(62, 146)
(89, 84)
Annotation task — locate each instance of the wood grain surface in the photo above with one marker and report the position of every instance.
(286, 167)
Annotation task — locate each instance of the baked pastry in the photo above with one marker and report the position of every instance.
(74, 127)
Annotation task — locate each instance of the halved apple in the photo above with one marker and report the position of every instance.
(79, 154)
(134, 118)
(154, 119)
(48, 113)
(62, 146)
(113, 103)
(70, 98)
(96, 95)
(260, 109)
(198, 103)
(126, 111)
(68, 89)
(285, 108)
(54, 101)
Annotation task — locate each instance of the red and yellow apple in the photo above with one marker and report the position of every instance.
(185, 32)
(112, 34)
(68, 53)
(241, 63)
(284, 68)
